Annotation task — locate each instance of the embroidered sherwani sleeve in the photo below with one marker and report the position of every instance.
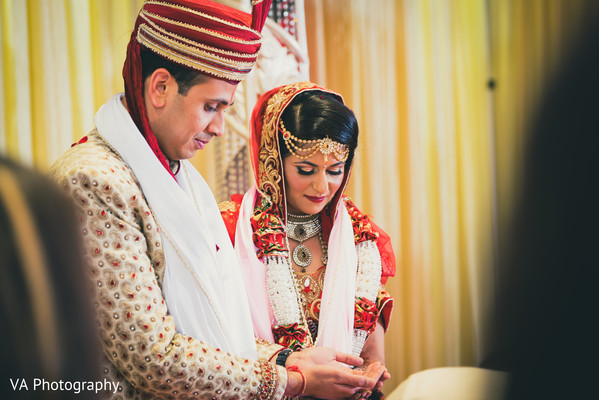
(126, 265)
(267, 351)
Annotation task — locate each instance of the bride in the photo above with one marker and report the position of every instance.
(314, 265)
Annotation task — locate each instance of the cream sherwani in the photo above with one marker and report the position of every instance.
(143, 349)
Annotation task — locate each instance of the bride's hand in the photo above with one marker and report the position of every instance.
(375, 371)
(332, 381)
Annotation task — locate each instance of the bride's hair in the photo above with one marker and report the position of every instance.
(316, 114)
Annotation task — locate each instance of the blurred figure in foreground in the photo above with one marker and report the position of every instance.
(47, 329)
(546, 330)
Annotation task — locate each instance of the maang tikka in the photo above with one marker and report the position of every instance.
(325, 145)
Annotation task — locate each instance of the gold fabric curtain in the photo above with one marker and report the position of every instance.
(530, 40)
(415, 74)
(444, 92)
(439, 153)
(60, 60)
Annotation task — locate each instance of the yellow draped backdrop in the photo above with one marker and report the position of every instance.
(418, 84)
(60, 60)
(444, 91)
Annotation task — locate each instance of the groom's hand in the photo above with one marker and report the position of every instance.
(321, 356)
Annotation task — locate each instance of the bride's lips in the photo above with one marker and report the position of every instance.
(316, 199)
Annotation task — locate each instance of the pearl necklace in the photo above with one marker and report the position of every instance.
(302, 228)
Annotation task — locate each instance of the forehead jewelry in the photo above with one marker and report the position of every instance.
(325, 145)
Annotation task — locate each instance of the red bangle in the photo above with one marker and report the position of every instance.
(303, 389)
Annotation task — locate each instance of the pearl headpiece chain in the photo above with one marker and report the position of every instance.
(325, 145)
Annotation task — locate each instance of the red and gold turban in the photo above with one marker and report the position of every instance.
(201, 35)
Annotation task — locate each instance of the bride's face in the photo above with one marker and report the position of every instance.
(310, 184)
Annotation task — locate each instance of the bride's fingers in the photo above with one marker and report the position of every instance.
(374, 371)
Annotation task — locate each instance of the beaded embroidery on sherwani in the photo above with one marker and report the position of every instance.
(125, 260)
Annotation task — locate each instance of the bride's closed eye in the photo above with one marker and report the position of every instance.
(304, 171)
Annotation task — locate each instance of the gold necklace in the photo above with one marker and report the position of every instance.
(302, 228)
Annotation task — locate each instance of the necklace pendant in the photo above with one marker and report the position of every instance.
(307, 288)
(302, 256)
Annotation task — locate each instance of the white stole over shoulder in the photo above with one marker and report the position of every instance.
(203, 285)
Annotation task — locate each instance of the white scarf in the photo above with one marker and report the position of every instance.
(203, 287)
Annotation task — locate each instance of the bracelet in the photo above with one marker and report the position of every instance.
(303, 388)
(282, 357)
